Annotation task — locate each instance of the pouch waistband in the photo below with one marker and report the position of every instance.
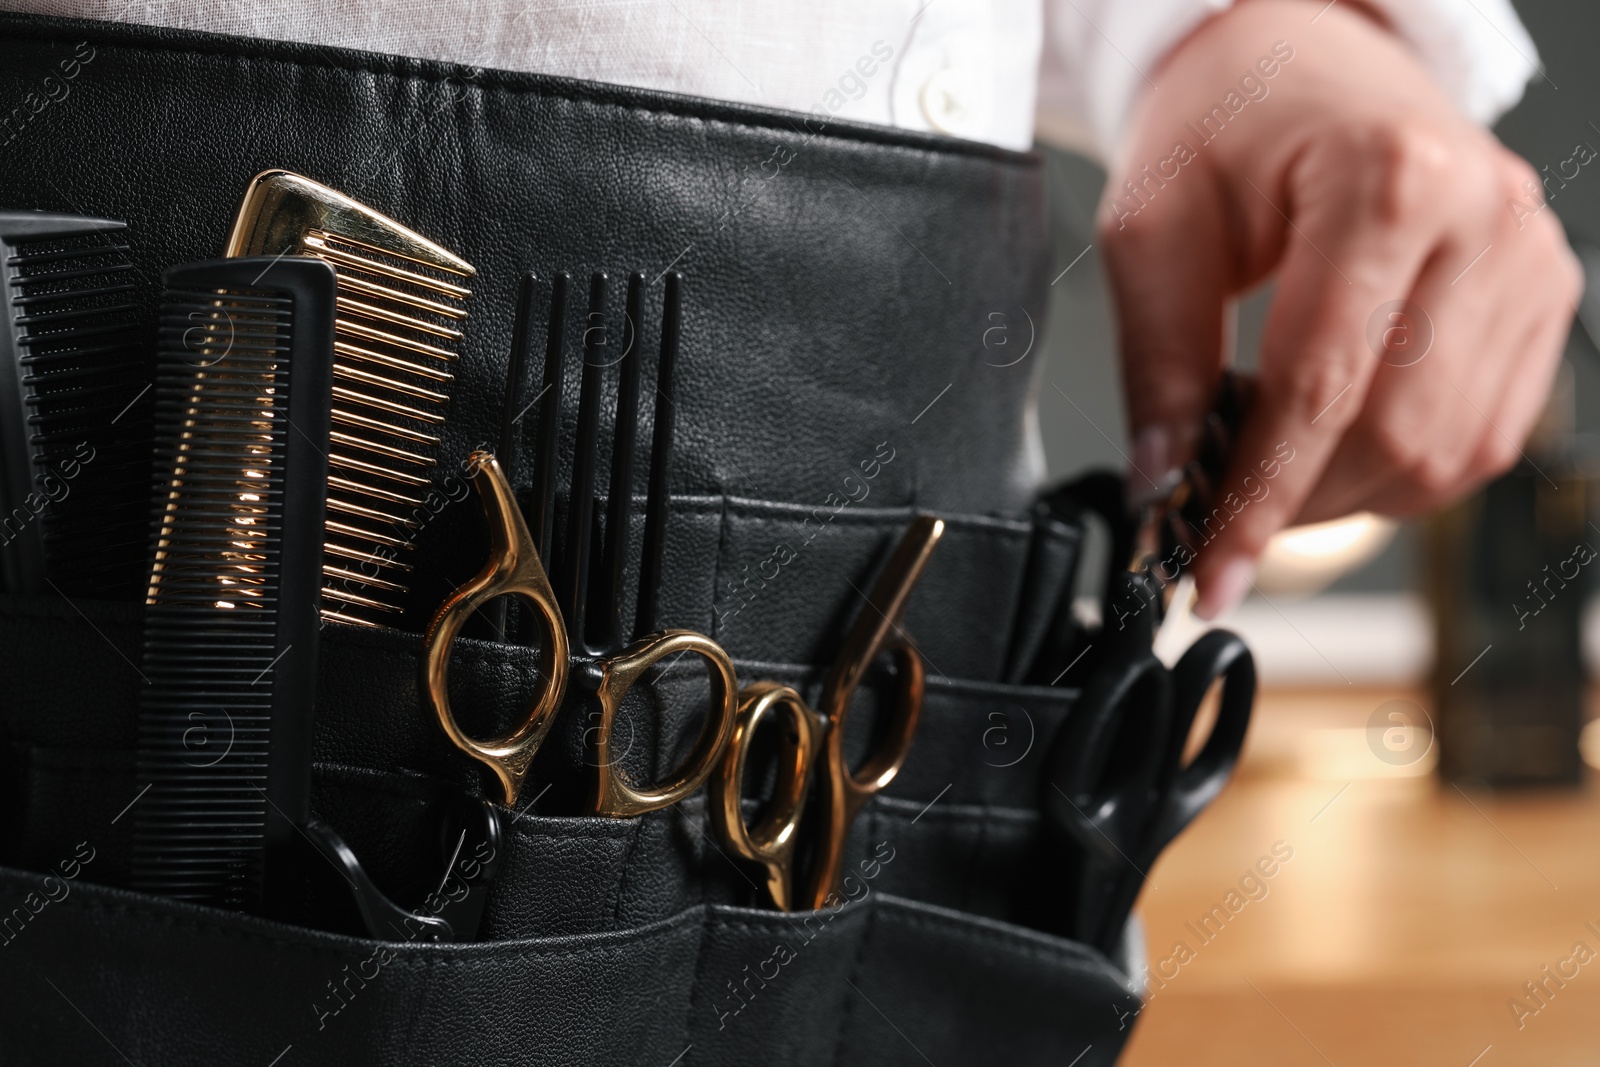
(841, 278)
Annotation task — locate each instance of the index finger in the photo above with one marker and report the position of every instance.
(1343, 258)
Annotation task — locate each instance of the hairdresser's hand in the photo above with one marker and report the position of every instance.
(1343, 169)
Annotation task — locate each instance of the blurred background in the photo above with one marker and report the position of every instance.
(1425, 742)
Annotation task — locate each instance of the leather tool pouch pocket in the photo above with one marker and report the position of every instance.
(885, 980)
(604, 939)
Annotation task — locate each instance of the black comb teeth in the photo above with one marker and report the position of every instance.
(1193, 505)
(74, 418)
(588, 571)
(241, 432)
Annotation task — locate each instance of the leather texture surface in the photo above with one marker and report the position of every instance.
(830, 300)
(880, 980)
(834, 380)
(598, 931)
(963, 808)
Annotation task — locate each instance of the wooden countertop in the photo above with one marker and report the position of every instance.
(1402, 929)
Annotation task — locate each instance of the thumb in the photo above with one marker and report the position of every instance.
(1167, 254)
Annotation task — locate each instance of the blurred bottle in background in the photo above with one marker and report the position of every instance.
(1508, 573)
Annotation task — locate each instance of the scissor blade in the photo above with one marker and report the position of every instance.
(886, 604)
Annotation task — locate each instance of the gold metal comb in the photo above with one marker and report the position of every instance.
(395, 340)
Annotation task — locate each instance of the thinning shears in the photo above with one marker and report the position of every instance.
(812, 739)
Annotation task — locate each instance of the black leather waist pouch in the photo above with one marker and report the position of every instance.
(833, 382)
(604, 937)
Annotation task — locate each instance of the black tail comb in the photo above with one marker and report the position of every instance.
(74, 435)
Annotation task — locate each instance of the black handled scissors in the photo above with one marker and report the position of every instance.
(1117, 787)
(816, 735)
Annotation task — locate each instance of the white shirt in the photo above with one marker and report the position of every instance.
(990, 70)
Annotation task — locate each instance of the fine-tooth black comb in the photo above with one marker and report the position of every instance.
(243, 418)
(73, 437)
(241, 428)
(397, 330)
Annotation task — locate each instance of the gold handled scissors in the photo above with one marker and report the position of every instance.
(514, 569)
(816, 735)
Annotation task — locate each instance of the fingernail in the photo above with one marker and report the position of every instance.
(1154, 474)
(1226, 588)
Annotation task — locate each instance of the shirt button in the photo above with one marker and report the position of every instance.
(944, 103)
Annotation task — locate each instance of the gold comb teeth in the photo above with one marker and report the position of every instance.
(399, 309)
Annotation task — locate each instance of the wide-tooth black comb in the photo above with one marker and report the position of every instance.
(589, 583)
(396, 335)
(242, 419)
(75, 441)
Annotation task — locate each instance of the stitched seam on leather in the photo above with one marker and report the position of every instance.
(716, 568)
(774, 511)
(400, 645)
(1066, 952)
(622, 875)
(336, 774)
(847, 1008)
(909, 809)
(1071, 955)
(576, 833)
(694, 974)
(980, 839)
(506, 949)
(793, 922)
(982, 815)
(887, 516)
(223, 48)
(986, 811)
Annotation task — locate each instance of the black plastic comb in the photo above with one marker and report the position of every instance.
(1192, 504)
(74, 430)
(588, 573)
(242, 416)
(245, 403)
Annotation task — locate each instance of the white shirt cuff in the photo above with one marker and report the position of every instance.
(1099, 55)
(1478, 51)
